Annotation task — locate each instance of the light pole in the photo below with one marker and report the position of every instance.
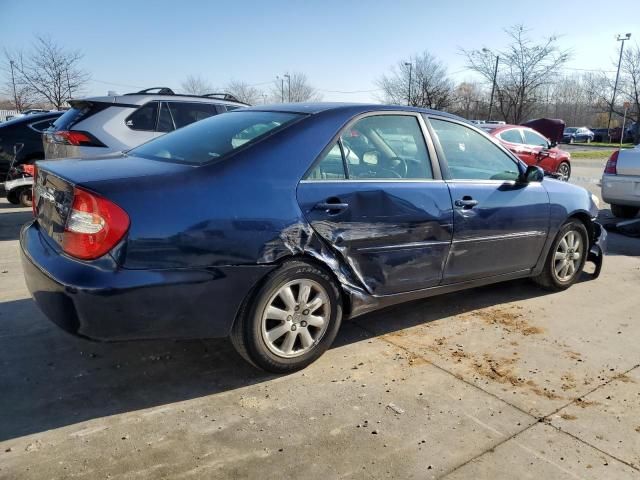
(495, 76)
(622, 39)
(410, 65)
(288, 77)
(13, 81)
(68, 85)
(281, 88)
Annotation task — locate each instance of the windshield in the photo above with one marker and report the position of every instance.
(214, 137)
(570, 130)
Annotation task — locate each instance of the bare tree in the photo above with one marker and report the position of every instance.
(47, 71)
(524, 68)
(244, 92)
(469, 100)
(294, 88)
(196, 85)
(430, 86)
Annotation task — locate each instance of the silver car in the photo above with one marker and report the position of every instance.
(101, 125)
(621, 182)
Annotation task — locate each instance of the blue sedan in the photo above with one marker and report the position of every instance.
(272, 224)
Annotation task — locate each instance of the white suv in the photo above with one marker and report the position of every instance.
(101, 125)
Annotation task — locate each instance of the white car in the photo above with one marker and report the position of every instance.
(102, 125)
(621, 182)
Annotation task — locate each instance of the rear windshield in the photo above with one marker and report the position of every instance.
(214, 137)
(80, 111)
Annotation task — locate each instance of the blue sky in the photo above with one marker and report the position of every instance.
(340, 45)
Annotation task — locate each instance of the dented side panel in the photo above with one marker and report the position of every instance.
(393, 237)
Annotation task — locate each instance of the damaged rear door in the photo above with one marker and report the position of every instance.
(376, 196)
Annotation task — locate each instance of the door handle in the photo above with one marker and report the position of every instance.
(466, 202)
(331, 207)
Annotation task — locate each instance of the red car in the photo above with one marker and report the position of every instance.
(533, 148)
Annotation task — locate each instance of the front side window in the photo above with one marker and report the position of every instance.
(472, 156)
(214, 137)
(532, 138)
(386, 147)
(330, 167)
(511, 136)
(144, 118)
(187, 113)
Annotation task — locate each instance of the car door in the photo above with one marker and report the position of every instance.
(376, 196)
(499, 224)
(539, 146)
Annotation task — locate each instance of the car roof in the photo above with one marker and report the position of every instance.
(141, 98)
(31, 118)
(354, 108)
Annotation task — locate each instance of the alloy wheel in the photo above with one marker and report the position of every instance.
(295, 318)
(568, 256)
(564, 172)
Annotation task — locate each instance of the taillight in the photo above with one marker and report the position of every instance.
(612, 164)
(74, 137)
(94, 226)
(34, 199)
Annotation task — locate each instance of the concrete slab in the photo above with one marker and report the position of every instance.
(365, 409)
(534, 350)
(608, 418)
(544, 452)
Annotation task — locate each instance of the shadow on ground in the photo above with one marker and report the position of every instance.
(50, 379)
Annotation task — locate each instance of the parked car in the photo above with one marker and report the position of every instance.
(577, 134)
(31, 111)
(288, 229)
(21, 144)
(621, 181)
(102, 125)
(533, 148)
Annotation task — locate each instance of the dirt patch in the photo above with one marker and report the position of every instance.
(624, 378)
(573, 355)
(581, 402)
(567, 416)
(544, 392)
(638, 429)
(415, 360)
(500, 370)
(568, 382)
(509, 319)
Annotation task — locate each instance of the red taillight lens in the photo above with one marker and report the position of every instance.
(612, 164)
(74, 137)
(94, 226)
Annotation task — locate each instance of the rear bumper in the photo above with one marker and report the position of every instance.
(101, 303)
(621, 189)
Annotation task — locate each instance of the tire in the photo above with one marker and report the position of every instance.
(564, 169)
(281, 354)
(624, 211)
(24, 197)
(549, 279)
(12, 197)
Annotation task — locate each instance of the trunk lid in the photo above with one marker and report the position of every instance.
(629, 162)
(55, 182)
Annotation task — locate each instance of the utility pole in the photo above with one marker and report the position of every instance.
(622, 39)
(68, 85)
(288, 77)
(410, 65)
(281, 89)
(13, 81)
(495, 77)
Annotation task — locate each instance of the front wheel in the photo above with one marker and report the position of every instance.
(566, 257)
(564, 171)
(291, 320)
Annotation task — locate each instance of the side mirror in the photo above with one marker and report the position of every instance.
(553, 144)
(532, 174)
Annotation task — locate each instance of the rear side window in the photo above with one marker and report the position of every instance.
(42, 125)
(215, 137)
(331, 167)
(165, 121)
(511, 136)
(185, 113)
(144, 118)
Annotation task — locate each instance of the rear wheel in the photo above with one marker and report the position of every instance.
(566, 257)
(12, 197)
(624, 211)
(290, 320)
(564, 170)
